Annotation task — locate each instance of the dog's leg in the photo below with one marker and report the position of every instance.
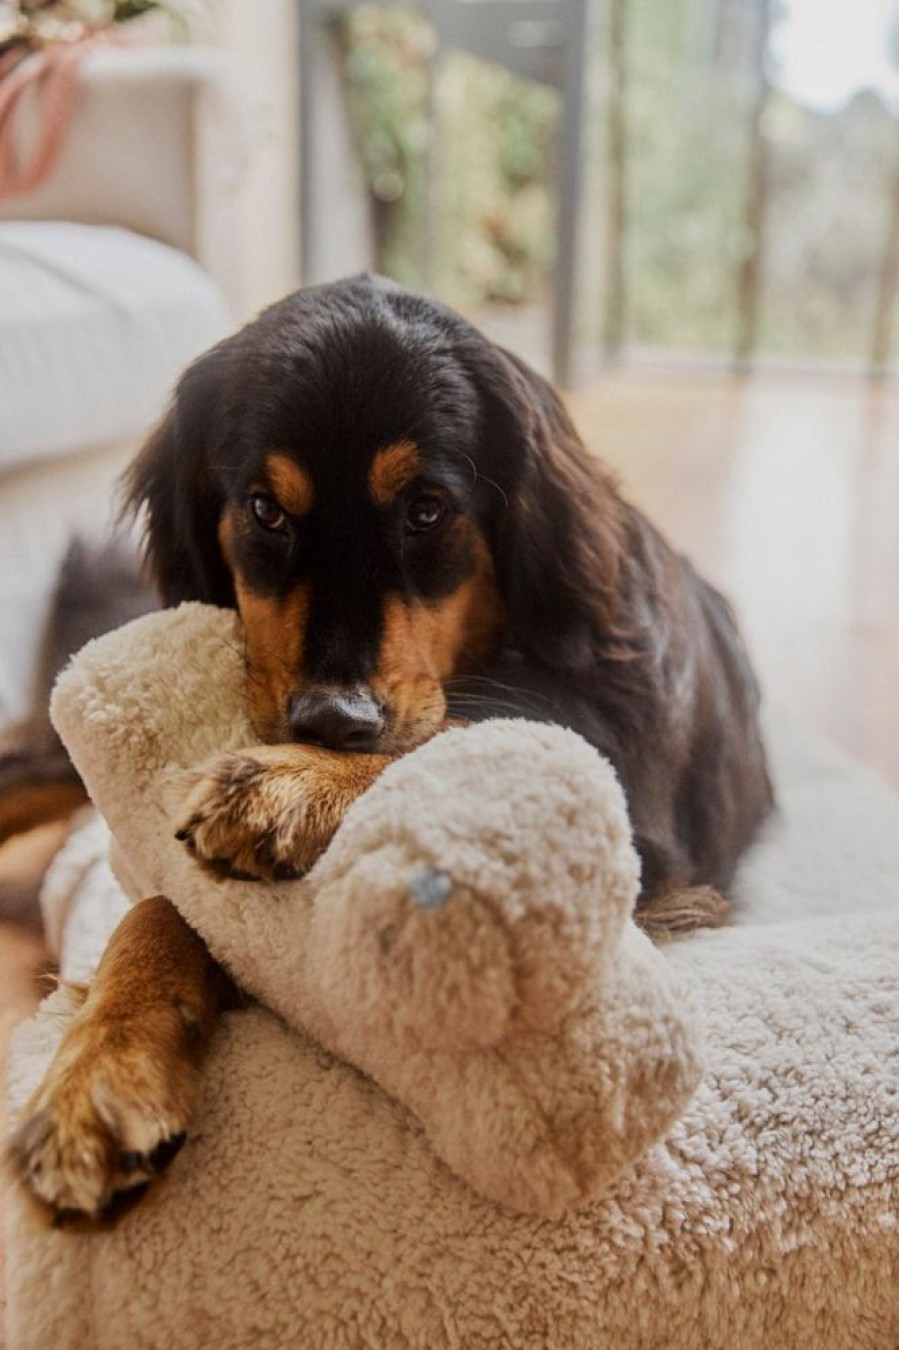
(268, 812)
(115, 1104)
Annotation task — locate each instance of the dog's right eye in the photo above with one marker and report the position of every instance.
(267, 513)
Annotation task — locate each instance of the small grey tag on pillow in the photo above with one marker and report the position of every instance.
(431, 888)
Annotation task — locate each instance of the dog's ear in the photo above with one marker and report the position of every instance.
(172, 482)
(560, 537)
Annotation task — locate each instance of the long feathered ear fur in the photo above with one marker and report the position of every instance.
(562, 537)
(172, 482)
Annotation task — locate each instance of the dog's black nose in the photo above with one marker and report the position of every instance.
(338, 719)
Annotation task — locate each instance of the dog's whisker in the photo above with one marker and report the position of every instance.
(463, 686)
(477, 476)
(494, 707)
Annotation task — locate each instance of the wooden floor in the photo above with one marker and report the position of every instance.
(786, 494)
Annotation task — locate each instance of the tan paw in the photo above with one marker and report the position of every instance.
(261, 815)
(109, 1117)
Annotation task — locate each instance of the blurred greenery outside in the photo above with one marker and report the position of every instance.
(491, 202)
(690, 87)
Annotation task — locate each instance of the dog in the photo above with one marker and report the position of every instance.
(413, 534)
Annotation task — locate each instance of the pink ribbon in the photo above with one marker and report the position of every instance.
(53, 73)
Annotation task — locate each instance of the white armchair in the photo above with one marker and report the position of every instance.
(113, 275)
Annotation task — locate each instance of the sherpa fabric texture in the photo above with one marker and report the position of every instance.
(310, 1208)
(465, 940)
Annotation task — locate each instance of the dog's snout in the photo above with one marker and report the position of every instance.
(338, 719)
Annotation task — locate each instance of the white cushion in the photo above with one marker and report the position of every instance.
(96, 323)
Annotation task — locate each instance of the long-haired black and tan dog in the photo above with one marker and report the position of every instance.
(411, 531)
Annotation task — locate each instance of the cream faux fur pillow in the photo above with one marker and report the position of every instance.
(466, 939)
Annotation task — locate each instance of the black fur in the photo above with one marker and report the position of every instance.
(605, 629)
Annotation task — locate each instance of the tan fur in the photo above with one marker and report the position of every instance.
(423, 645)
(681, 911)
(391, 470)
(269, 812)
(274, 632)
(119, 1091)
(290, 483)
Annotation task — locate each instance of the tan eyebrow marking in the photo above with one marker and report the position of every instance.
(290, 483)
(392, 469)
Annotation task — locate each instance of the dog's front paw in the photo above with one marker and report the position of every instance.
(260, 815)
(109, 1117)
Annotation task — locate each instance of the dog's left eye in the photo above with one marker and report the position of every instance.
(267, 513)
(424, 513)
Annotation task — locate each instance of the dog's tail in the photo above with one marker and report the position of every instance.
(99, 588)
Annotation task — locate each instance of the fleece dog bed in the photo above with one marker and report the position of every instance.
(312, 1207)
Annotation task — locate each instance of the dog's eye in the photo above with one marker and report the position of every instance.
(424, 513)
(267, 513)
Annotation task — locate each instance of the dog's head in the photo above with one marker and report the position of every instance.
(384, 496)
